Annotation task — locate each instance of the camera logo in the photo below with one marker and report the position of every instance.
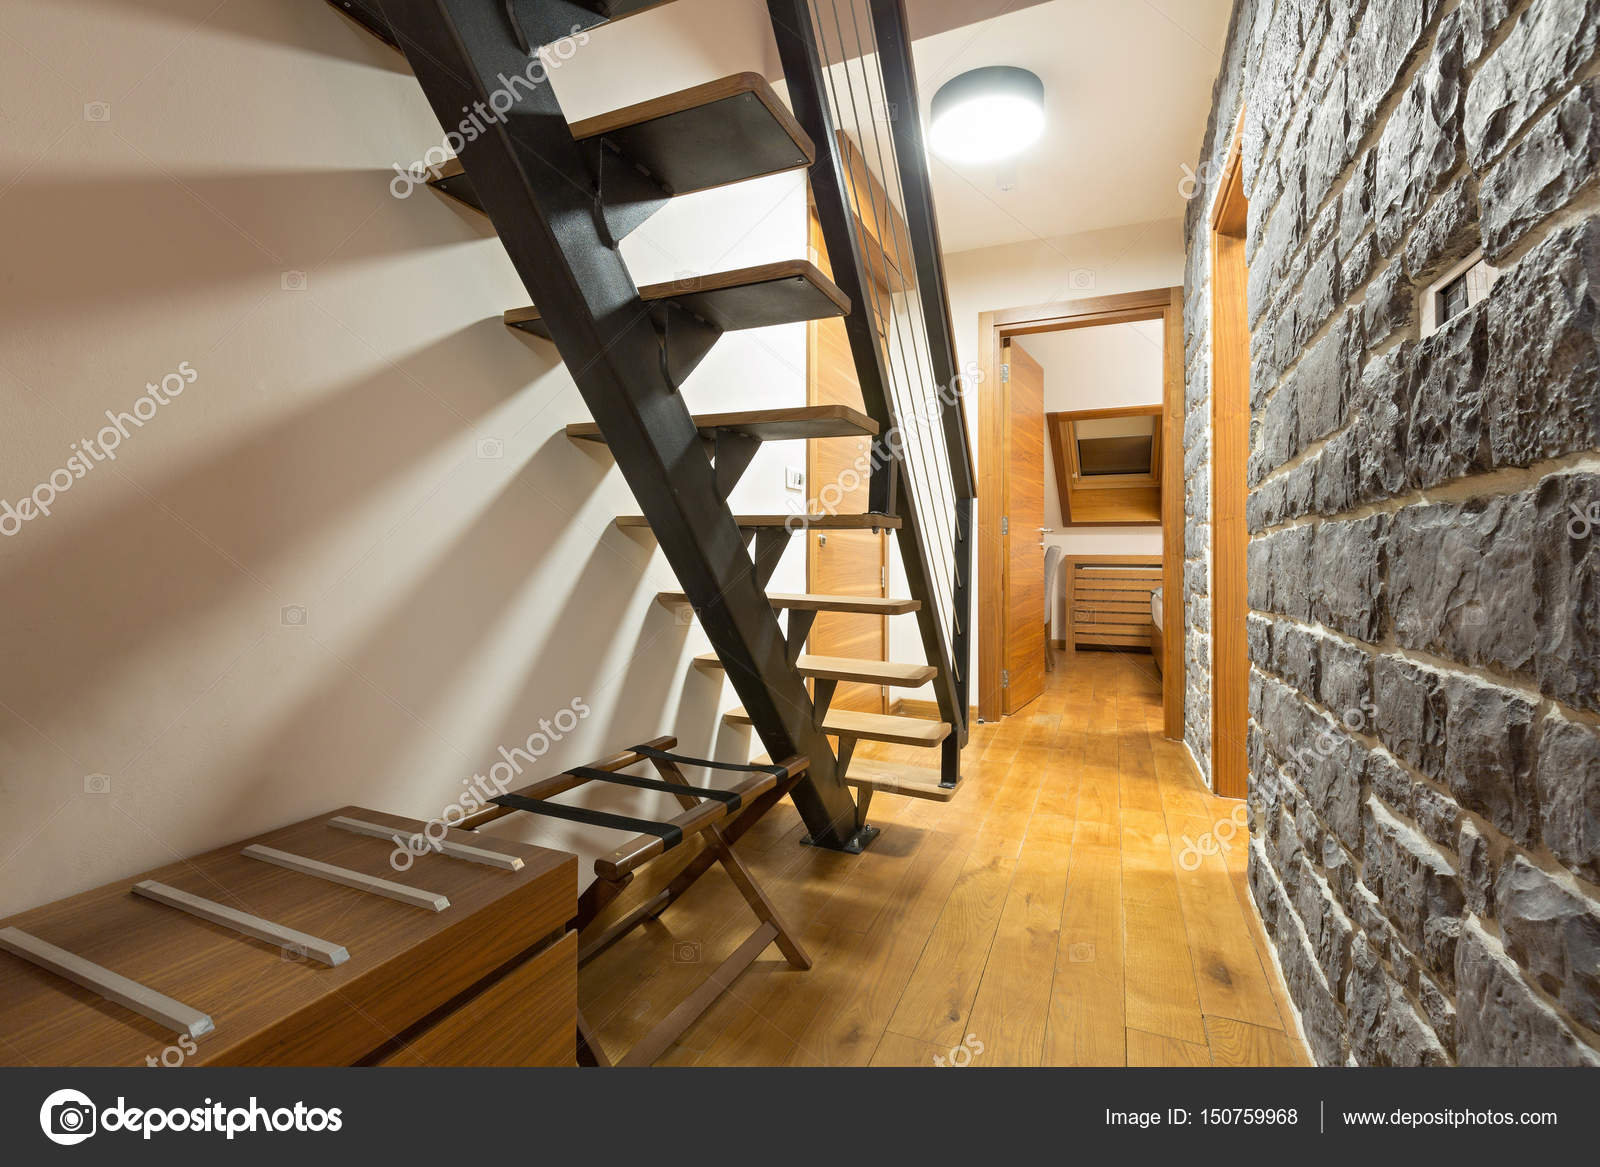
(67, 1117)
(686, 952)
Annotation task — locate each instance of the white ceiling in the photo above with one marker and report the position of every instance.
(1127, 92)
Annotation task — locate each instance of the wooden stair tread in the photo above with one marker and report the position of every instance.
(874, 605)
(729, 130)
(900, 778)
(786, 292)
(839, 668)
(878, 727)
(767, 425)
(811, 522)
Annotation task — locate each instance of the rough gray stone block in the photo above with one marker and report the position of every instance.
(1345, 683)
(1477, 868)
(1421, 143)
(1391, 304)
(1540, 174)
(1555, 934)
(1347, 576)
(1544, 351)
(1461, 580)
(1480, 24)
(1446, 233)
(1568, 780)
(1491, 743)
(1411, 712)
(1294, 656)
(1566, 568)
(1417, 887)
(1445, 434)
(1548, 47)
(1389, 780)
(1389, 36)
(1382, 412)
(1499, 1020)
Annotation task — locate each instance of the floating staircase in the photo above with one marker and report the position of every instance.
(561, 196)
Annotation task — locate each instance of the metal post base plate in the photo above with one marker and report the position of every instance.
(858, 841)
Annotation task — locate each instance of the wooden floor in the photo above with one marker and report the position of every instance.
(1053, 913)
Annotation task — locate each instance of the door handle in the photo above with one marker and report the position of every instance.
(822, 539)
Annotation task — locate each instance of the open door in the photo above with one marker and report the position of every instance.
(1023, 381)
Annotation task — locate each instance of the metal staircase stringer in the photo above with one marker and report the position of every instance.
(531, 177)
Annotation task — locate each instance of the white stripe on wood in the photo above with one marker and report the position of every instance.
(286, 938)
(368, 883)
(112, 986)
(407, 839)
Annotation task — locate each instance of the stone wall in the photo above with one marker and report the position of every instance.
(1424, 561)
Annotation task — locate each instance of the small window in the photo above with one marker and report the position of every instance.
(1465, 286)
(1115, 445)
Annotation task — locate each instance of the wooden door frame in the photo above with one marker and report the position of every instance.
(1164, 304)
(1230, 451)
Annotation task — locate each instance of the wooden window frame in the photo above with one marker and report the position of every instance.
(1070, 478)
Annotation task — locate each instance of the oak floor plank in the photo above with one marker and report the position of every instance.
(938, 998)
(1154, 1049)
(1235, 1043)
(1012, 1008)
(1088, 988)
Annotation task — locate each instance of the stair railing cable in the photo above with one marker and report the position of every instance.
(838, 64)
(909, 376)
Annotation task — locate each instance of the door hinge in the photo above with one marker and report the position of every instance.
(1005, 524)
(883, 578)
(1005, 678)
(1005, 373)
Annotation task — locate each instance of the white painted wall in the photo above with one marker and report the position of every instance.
(1100, 263)
(327, 456)
(1105, 367)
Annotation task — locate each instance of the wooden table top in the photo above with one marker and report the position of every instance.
(268, 1008)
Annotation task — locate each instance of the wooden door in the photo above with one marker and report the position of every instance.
(850, 563)
(1023, 380)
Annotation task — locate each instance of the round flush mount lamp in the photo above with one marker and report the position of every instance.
(987, 114)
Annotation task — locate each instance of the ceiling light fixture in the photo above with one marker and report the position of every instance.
(987, 114)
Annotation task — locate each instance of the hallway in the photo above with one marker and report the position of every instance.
(1053, 913)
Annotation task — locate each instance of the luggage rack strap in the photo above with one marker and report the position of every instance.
(669, 834)
(776, 771)
(733, 800)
